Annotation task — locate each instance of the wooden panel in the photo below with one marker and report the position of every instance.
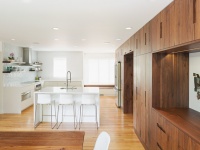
(128, 83)
(169, 72)
(156, 80)
(132, 44)
(197, 19)
(165, 28)
(172, 26)
(134, 92)
(155, 33)
(184, 21)
(142, 96)
(182, 80)
(148, 95)
(173, 137)
(137, 42)
(42, 140)
(145, 39)
(161, 132)
(153, 128)
(166, 75)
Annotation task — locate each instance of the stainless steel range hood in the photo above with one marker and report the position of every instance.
(27, 57)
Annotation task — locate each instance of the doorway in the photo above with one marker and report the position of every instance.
(128, 84)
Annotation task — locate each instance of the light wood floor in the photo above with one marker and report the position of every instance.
(113, 121)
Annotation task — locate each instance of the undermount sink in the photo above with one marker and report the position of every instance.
(71, 88)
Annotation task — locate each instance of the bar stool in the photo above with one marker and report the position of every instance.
(45, 99)
(67, 99)
(86, 101)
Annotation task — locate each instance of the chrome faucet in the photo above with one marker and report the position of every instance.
(68, 78)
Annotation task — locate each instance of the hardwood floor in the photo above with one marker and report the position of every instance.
(113, 121)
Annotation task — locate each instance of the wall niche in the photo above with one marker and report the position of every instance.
(170, 80)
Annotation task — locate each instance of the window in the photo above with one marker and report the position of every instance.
(99, 69)
(59, 67)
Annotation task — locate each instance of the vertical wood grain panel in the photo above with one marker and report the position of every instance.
(128, 83)
(183, 80)
(197, 20)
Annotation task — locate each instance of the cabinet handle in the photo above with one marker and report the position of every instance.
(136, 93)
(145, 98)
(160, 29)
(136, 43)
(160, 128)
(159, 146)
(145, 39)
(194, 11)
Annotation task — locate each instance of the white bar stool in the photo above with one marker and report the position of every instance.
(45, 99)
(66, 99)
(87, 100)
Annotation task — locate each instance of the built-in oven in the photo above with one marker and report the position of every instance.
(25, 95)
(38, 86)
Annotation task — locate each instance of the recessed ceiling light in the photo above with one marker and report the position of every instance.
(128, 28)
(83, 39)
(56, 39)
(106, 42)
(55, 28)
(118, 39)
(13, 39)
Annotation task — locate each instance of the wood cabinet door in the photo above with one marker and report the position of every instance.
(173, 137)
(148, 96)
(162, 132)
(197, 19)
(142, 97)
(172, 25)
(165, 28)
(145, 39)
(137, 42)
(134, 92)
(184, 21)
(138, 96)
(155, 33)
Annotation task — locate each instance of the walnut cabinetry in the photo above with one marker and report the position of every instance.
(172, 131)
(161, 116)
(142, 96)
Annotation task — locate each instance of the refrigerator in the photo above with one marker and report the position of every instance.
(118, 84)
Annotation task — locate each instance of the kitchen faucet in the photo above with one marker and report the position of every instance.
(68, 78)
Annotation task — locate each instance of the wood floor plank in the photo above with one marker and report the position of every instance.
(113, 121)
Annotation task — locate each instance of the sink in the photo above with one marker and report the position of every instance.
(71, 88)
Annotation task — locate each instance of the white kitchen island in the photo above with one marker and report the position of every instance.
(77, 93)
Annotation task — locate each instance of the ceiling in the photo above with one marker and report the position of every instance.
(84, 25)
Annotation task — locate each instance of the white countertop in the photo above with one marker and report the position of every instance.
(76, 90)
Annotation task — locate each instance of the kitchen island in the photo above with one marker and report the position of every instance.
(77, 93)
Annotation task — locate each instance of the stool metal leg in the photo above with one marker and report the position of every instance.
(80, 116)
(96, 115)
(75, 119)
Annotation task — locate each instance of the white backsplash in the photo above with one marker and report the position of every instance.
(17, 77)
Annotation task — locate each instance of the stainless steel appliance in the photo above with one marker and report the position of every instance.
(38, 86)
(118, 84)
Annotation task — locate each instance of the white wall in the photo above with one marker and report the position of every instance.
(194, 67)
(1, 79)
(74, 64)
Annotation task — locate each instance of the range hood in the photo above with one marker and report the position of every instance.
(27, 57)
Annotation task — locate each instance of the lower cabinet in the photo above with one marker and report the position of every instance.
(166, 136)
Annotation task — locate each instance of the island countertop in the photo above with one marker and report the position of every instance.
(75, 90)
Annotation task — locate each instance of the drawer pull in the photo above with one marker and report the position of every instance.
(159, 146)
(160, 128)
